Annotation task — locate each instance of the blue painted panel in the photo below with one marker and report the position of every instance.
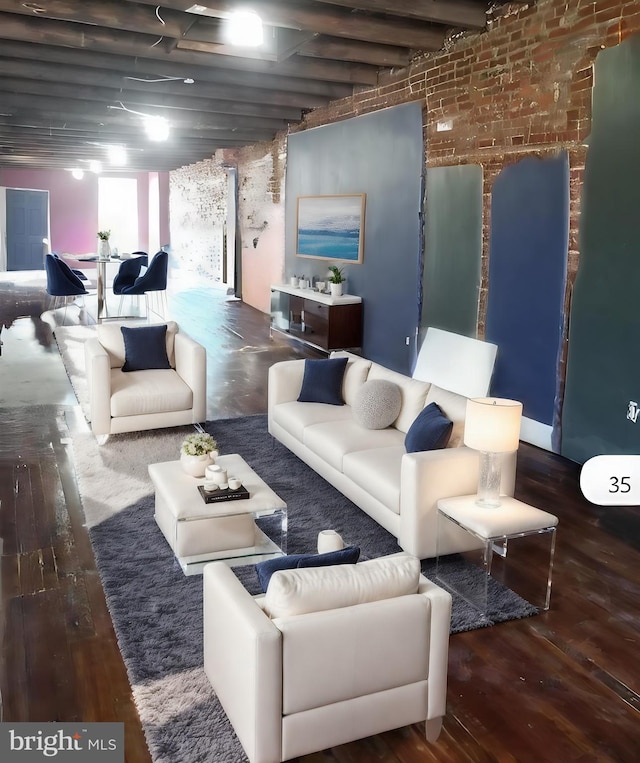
(527, 279)
(453, 249)
(382, 155)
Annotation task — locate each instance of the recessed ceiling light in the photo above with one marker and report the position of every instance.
(157, 128)
(95, 166)
(77, 173)
(244, 28)
(188, 81)
(117, 155)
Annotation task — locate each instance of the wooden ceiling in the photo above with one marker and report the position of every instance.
(76, 77)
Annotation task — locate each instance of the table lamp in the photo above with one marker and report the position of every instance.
(492, 426)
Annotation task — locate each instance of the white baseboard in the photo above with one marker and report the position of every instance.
(535, 433)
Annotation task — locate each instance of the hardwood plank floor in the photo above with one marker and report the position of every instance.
(562, 686)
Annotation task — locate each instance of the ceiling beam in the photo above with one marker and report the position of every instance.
(353, 50)
(138, 100)
(335, 22)
(115, 132)
(108, 111)
(68, 34)
(105, 13)
(74, 77)
(258, 88)
(452, 12)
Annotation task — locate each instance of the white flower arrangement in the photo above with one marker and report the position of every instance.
(198, 444)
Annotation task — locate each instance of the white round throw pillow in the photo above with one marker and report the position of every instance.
(377, 404)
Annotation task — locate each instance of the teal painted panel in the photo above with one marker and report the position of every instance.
(453, 249)
(603, 363)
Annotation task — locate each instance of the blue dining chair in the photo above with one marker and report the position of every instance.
(153, 281)
(127, 273)
(62, 282)
(75, 271)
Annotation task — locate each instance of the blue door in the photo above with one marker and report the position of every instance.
(27, 225)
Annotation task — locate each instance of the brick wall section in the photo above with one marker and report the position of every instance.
(198, 209)
(523, 88)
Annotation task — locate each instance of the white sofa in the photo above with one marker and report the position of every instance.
(399, 490)
(151, 399)
(294, 670)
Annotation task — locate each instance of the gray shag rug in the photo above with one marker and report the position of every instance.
(157, 611)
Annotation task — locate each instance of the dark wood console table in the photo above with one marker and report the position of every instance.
(320, 320)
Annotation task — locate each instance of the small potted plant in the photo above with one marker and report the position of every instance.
(336, 280)
(104, 250)
(198, 451)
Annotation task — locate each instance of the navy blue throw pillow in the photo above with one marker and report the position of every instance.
(145, 347)
(430, 430)
(347, 555)
(322, 381)
(265, 570)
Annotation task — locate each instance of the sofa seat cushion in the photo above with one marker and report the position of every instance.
(154, 391)
(333, 439)
(377, 471)
(294, 417)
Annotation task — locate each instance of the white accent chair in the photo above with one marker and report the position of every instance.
(350, 664)
(140, 400)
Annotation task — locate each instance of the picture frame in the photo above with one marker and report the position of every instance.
(331, 227)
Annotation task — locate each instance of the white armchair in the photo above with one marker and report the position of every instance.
(149, 399)
(371, 659)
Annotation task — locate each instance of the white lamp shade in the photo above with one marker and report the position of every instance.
(492, 424)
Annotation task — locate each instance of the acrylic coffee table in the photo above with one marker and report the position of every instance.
(237, 532)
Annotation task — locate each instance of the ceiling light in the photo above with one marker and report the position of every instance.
(157, 128)
(244, 28)
(117, 155)
(77, 173)
(95, 166)
(188, 81)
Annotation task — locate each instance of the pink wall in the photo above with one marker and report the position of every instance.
(73, 205)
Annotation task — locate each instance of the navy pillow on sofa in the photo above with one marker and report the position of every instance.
(322, 381)
(145, 347)
(265, 570)
(430, 430)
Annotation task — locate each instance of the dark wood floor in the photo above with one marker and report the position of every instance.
(561, 686)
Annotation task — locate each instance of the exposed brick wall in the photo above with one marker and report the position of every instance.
(523, 88)
(198, 210)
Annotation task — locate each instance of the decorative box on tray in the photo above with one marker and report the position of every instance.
(224, 494)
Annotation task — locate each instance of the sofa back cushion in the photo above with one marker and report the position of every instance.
(454, 407)
(110, 337)
(413, 392)
(316, 589)
(354, 376)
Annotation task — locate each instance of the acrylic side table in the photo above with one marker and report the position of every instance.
(496, 531)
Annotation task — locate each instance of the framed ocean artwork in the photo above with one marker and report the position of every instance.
(331, 227)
